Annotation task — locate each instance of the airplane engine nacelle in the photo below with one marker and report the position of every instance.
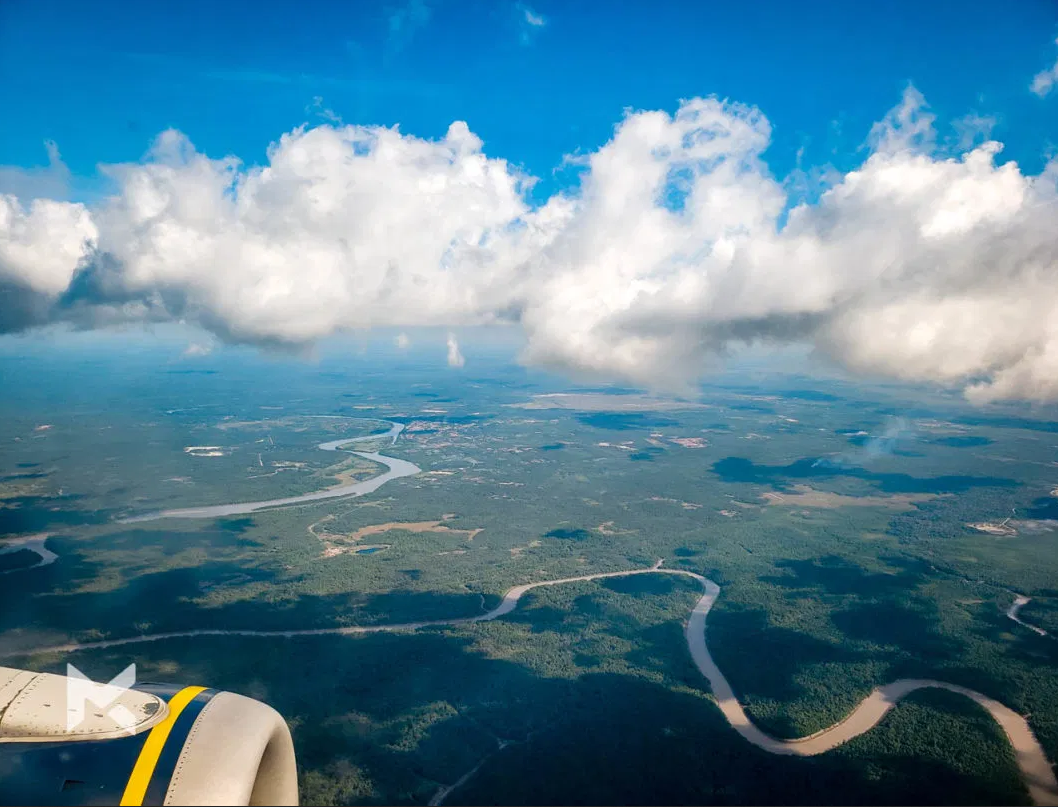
(66, 741)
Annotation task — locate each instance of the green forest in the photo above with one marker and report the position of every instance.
(839, 572)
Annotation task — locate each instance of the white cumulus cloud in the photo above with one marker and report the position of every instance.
(51, 181)
(41, 244)
(402, 341)
(455, 357)
(197, 350)
(924, 263)
(1043, 81)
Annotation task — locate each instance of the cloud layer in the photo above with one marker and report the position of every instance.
(678, 242)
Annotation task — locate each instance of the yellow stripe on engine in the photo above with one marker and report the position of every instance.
(142, 771)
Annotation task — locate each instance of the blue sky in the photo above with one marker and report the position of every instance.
(103, 78)
(927, 260)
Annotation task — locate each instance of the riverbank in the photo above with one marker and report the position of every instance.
(34, 543)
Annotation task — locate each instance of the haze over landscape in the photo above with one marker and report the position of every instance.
(546, 404)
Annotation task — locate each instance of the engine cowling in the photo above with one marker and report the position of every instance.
(148, 744)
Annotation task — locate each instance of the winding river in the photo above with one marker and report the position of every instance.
(1036, 770)
(1020, 601)
(34, 543)
(395, 469)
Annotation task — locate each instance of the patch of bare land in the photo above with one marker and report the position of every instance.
(14, 489)
(205, 451)
(1010, 527)
(805, 496)
(627, 445)
(690, 442)
(994, 527)
(684, 505)
(333, 550)
(604, 402)
(728, 513)
(518, 550)
(339, 543)
(412, 526)
(608, 528)
(344, 473)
